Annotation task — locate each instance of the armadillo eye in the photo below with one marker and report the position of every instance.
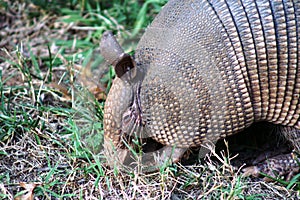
(128, 120)
(127, 117)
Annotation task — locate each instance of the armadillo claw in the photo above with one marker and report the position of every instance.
(279, 166)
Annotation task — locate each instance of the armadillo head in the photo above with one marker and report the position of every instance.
(122, 115)
(117, 103)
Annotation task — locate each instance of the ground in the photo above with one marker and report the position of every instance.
(53, 88)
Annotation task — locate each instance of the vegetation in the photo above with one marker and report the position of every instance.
(53, 88)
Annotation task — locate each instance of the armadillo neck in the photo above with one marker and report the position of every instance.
(263, 39)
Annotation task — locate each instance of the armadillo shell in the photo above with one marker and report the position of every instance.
(214, 67)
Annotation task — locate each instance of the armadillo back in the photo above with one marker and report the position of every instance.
(215, 67)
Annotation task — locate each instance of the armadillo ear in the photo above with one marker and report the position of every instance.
(125, 64)
(114, 55)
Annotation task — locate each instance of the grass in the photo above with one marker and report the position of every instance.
(53, 88)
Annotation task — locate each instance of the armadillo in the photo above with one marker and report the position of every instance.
(204, 70)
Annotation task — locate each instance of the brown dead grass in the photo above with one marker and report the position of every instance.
(48, 154)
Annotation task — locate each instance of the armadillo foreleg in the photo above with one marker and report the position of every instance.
(150, 161)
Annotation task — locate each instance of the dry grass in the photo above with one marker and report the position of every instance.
(52, 94)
